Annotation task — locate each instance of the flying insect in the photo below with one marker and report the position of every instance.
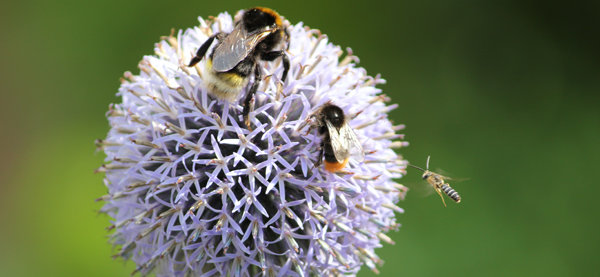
(438, 182)
(338, 140)
(258, 35)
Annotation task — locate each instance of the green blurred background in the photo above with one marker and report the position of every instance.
(504, 93)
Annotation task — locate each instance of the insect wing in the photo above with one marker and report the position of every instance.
(231, 50)
(340, 148)
(354, 144)
(236, 46)
(344, 142)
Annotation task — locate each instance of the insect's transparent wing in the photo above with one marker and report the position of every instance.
(424, 189)
(445, 174)
(339, 146)
(235, 47)
(354, 145)
(231, 50)
(345, 143)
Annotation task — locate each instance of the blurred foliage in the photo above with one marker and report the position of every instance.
(502, 92)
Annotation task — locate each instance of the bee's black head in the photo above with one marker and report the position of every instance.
(426, 175)
(258, 18)
(333, 114)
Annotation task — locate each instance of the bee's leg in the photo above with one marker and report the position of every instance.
(286, 66)
(250, 94)
(202, 50)
(320, 158)
(310, 128)
(270, 56)
(307, 121)
(441, 196)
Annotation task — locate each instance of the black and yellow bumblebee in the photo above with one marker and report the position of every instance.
(438, 182)
(338, 140)
(259, 34)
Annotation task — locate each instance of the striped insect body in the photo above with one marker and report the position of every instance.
(438, 182)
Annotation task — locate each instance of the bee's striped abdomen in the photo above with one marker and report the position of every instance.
(451, 193)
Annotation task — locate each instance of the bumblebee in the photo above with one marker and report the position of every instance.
(257, 35)
(438, 182)
(338, 140)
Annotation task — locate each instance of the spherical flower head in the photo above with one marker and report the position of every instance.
(192, 191)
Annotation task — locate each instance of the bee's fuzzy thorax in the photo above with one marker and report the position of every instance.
(273, 13)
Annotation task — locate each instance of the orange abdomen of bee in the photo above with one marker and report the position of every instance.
(335, 167)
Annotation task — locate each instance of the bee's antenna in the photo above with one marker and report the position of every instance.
(428, 162)
(416, 167)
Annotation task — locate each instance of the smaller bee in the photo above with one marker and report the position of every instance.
(338, 142)
(258, 35)
(438, 182)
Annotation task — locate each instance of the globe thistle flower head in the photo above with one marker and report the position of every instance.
(192, 191)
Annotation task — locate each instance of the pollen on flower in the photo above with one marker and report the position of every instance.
(193, 191)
